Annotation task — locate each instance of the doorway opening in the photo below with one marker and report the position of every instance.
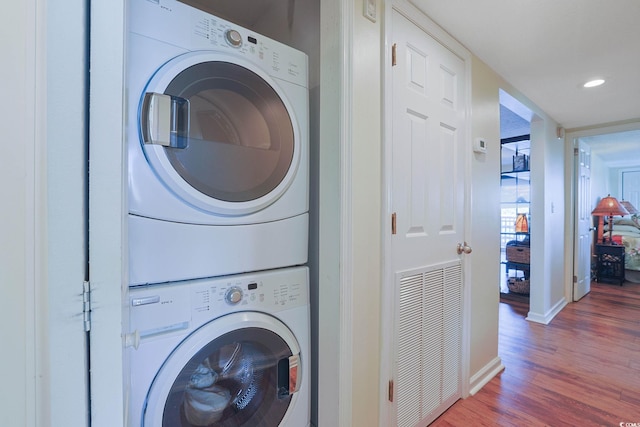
(515, 198)
(612, 158)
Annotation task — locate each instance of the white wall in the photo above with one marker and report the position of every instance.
(19, 368)
(366, 216)
(615, 178)
(485, 221)
(42, 258)
(329, 197)
(548, 211)
(600, 180)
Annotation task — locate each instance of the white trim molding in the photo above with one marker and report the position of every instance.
(346, 218)
(547, 317)
(484, 375)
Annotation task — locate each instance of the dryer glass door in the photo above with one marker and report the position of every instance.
(229, 134)
(246, 377)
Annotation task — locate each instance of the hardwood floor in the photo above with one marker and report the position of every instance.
(583, 369)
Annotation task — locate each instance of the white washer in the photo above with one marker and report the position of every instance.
(217, 136)
(230, 351)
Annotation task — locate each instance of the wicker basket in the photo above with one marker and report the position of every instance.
(518, 285)
(518, 253)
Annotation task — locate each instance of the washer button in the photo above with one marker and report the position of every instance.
(233, 296)
(234, 38)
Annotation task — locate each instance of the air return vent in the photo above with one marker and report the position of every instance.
(429, 342)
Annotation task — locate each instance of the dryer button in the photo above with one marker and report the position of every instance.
(233, 295)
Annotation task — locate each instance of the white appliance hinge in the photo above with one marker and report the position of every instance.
(393, 55)
(86, 305)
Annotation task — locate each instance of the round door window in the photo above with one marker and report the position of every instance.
(224, 130)
(241, 378)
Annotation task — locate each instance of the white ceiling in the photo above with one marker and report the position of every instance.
(545, 48)
(548, 48)
(617, 150)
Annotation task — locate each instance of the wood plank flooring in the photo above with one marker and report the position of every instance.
(583, 369)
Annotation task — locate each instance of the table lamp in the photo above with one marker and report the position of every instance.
(609, 206)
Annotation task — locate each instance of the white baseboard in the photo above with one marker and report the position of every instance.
(546, 318)
(484, 375)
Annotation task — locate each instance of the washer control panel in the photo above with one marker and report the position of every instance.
(269, 291)
(176, 306)
(248, 293)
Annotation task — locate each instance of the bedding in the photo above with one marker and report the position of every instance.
(626, 231)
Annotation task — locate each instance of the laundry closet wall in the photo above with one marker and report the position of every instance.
(43, 215)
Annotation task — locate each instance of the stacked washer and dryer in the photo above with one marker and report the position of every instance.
(217, 137)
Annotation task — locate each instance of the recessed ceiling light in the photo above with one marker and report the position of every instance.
(594, 83)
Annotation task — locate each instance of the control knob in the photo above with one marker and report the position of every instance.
(234, 38)
(233, 295)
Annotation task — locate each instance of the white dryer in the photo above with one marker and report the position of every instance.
(217, 137)
(230, 351)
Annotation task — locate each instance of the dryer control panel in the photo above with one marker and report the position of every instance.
(191, 28)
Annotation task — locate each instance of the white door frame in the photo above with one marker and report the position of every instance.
(335, 261)
(107, 215)
(570, 197)
(387, 309)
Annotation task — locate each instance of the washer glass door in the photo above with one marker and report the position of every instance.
(225, 130)
(245, 377)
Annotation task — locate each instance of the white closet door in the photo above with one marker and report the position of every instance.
(428, 186)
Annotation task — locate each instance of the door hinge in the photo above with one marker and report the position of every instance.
(575, 279)
(390, 390)
(393, 223)
(393, 55)
(86, 305)
(576, 151)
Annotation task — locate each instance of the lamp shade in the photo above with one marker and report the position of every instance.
(609, 206)
(629, 207)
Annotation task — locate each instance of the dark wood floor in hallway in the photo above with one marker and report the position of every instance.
(583, 369)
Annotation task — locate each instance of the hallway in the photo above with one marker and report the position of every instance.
(583, 369)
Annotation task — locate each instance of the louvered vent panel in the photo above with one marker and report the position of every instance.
(452, 332)
(428, 353)
(432, 332)
(409, 347)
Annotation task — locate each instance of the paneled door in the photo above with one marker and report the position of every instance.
(427, 198)
(583, 218)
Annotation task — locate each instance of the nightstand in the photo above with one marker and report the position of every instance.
(610, 263)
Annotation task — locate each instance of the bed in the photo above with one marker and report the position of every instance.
(626, 232)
